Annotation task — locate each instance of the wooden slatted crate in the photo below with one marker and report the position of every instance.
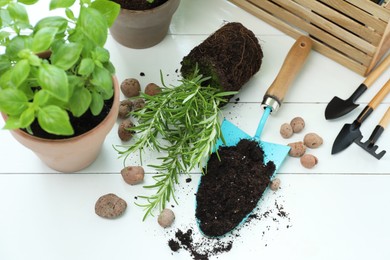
(354, 33)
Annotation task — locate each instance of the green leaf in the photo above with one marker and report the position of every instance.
(87, 66)
(28, 2)
(69, 13)
(109, 9)
(27, 118)
(80, 101)
(97, 103)
(18, 12)
(12, 122)
(19, 73)
(13, 101)
(4, 63)
(53, 21)
(43, 39)
(18, 44)
(67, 55)
(4, 2)
(102, 80)
(55, 81)
(54, 4)
(41, 97)
(93, 25)
(55, 120)
(101, 54)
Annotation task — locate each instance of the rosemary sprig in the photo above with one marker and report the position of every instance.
(183, 122)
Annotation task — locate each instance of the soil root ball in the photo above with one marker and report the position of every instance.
(230, 56)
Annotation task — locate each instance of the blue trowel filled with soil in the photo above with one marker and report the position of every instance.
(229, 191)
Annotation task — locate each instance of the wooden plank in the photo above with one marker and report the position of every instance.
(360, 15)
(328, 39)
(295, 33)
(343, 21)
(332, 28)
(372, 8)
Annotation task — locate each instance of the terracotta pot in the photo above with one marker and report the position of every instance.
(141, 29)
(75, 153)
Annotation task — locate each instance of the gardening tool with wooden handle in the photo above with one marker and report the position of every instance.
(272, 100)
(338, 107)
(351, 132)
(370, 145)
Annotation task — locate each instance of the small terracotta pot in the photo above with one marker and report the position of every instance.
(141, 29)
(75, 153)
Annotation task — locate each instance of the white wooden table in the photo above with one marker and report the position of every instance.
(337, 210)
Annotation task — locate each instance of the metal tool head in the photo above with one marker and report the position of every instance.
(346, 136)
(370, 147)
(338, 107)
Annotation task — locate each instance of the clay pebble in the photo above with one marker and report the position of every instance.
(133, 174)
(297, 149)
(152, 89)
(110, 206)
(138, 104)
(124, 130)
(286, 130)
(297, 124)
(130, 87)
(312, 140)
(125, 108)
(274, 184)
(308, 161)
(166, 218)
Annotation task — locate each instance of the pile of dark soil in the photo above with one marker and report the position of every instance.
(230, 56)
(235, 180)
(139, 4)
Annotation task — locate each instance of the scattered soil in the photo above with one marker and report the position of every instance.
(230, 56)
(80, 125)
(139, 4)
(235, 180)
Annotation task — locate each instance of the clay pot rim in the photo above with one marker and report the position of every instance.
(152, 10)
(74, 138)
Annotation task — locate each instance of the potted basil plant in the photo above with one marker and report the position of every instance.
(58, 91)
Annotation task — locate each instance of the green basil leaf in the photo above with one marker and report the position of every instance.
(19, 73)
(43, 39)
(4, 2)
(55, 81)
(55, 120)
(80, 101)
(102, 80)
(96, 104)
(66, 55)
(69, 13)
(87, 66)
(109, 9)
(93, 25)
(4, 63)
(54, 21)
(13, 101)
(54, 4)
(18, 12)
(28, 2)
(18, 44)
(12, 122)
(101, 54)
(41, 97)
(27, 118)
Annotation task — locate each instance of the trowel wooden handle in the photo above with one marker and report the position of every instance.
(375, 101)
(380, 95)
(292, 64)
(385, 119)
(374, 75)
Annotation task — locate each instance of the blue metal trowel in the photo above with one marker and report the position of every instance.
(272, 101)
